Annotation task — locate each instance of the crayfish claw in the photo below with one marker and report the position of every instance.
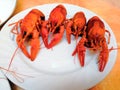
(34, 48)
(80, 49)
(81, 56)
(102, 64)
(44, 33)
(56, 37)
(103, 57)
(54, 27)
(68, 31)
(22, 46)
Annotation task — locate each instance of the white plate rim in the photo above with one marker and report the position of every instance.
(12, 8)
(4, 84)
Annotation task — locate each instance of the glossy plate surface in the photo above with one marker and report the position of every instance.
(6, 8)
(4, 84)
(53, 69)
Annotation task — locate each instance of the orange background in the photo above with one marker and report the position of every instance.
(110, 13)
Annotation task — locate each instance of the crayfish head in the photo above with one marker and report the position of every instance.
(79, 22)
(79, 19)
(38, 13)
(57, 17)
(95, 33)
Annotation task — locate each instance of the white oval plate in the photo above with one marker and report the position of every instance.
(6, 8)
(53, 69)
(4, 84)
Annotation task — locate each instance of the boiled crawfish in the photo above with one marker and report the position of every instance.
(94, 38)
(75, 26)
(54, 26)
(30, 27)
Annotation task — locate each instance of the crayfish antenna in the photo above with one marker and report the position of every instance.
(12, 58)
(15, 30)
(108, 35)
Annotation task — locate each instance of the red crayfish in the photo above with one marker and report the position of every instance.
(76, 26)
(94, 38)
(54, 26)
(29, 34)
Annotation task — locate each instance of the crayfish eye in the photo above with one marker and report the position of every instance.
(73, 30)
(30, 36)
(57, 30)
(24, 33)
(42, 18)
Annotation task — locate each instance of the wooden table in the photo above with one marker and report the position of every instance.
(109, 13)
